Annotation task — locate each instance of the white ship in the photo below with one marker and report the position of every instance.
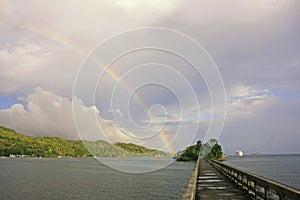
(239, 153)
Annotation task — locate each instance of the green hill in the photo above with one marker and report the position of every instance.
(14, 143)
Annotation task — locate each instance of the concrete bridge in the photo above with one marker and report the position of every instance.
(215, 180)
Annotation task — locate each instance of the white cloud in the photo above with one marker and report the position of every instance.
(91, 126)
(5, 10)
(45, 113)
(259, 121)
(214, 12)
(242, 91)
(51, 47)
(19, 64)
(244, 99)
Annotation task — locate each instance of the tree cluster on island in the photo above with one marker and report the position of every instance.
(13, 143)
(210, 149)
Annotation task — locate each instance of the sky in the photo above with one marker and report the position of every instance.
(153, 100)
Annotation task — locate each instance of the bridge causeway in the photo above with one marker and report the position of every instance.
(212, 185)
(218, 181)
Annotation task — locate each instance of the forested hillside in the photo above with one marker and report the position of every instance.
(13, 143)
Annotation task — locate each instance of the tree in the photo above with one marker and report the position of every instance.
(211, 150)
(215, 153)
(191, 153)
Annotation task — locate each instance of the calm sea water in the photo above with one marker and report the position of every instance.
(282, 168)
(86, 178)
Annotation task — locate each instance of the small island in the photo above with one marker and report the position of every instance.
(14, 144)
(210, 149)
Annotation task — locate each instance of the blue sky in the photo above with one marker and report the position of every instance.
(8, 101)
(254, 43)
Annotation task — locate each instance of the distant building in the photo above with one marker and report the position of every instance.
(239, 153)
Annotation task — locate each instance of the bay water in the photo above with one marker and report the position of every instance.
(86, 178)
(281, 168)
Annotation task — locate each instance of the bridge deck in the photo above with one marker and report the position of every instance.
(214, 185)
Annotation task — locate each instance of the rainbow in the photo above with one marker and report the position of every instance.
(64, 41)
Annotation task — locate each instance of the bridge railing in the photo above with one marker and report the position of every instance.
(189, 190)
(258, 187)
